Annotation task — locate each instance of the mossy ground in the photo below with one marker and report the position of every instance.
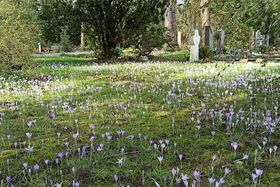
(164, 109)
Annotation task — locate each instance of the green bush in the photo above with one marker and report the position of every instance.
(118, 52)
(180, 56)
(65, 43)
(205, 53)
(153, 37)
(167, 48)
(261, 49)
(18, 31)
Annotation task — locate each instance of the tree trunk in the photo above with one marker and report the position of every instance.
(82, 36)
(170, 21)
(108, 47)
(205, 19)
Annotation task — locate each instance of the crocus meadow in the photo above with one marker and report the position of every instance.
(141, 124)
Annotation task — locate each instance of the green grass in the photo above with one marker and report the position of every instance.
(65, 60)
(181, 56)
(146, 99)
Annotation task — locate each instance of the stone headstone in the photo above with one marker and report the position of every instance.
(258, 38)
(208, 37)
(261, 39)
(194, 56)
(179, 38)
(39, 48)
(221, 42)
(267, 37)
(252, 40)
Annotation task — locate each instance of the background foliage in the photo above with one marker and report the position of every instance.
(19, 33)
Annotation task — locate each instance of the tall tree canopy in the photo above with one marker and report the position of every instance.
(59, 17)
(115, 21)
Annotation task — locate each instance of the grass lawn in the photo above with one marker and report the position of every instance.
(140, 124)
(64, 60)
(180, 56)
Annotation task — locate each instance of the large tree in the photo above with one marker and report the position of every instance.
(116, 21)
(19, 31)
(170, 20)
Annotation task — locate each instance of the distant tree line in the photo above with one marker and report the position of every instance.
(105, 25)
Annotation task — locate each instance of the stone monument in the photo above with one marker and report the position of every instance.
(39, 48)
(220, 42)
(179, 39)
(194, 56)
(208, 37)
(258, 39)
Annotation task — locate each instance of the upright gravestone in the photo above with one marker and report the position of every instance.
(39, 48)
(258, 38)
(179, 39)
(267, 38)
(221, 42)
(252, 40)
(194, 56)
(208, 37)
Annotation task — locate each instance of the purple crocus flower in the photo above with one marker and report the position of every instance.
(275, 148)
(84, 151)
(211, 180)
(66, 154)
(178, 181)
(219, 182)
(103, 135)
(46, 161)
(36, 167)
(120, 132)
(60, 154)
(58, 134)
(270, 150)
(245, 157)
(131, 137)
(91, 139)
(75, 135)
(29, 135)
(160, 158)
(227, 170)
(185, 179)
(109, 137)
(254, 177)
(76, 184)
(100, 147)
(234, 145)
(259, 172)
(116, 178)
(197, 175)
(66, 144)
(25, 165)
(8, 179)
(214, 157)
(180, 156)
(173, 171)
(92, 146)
